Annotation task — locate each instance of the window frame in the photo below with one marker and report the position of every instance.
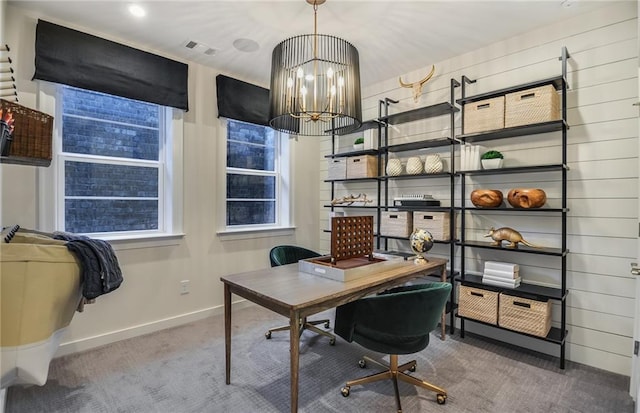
(170, 194)
(282, 172)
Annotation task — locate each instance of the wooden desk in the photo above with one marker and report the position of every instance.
(296, 295)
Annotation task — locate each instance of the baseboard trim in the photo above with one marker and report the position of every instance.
(89, 343)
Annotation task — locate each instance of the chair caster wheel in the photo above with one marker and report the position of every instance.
(345, 391)
(332, 342)
(412, 369)
(326, 325)
(267, 335)
(441, 398)
(362, 363)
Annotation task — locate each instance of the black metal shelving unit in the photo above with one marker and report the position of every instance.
(385, 120)
(382, 124)
(556, 335)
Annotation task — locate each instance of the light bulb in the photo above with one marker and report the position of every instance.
(303, 90)
(330, 73)
(333, 90)
(289, 82)
(341, 81)
(308, 77)
(299, 73)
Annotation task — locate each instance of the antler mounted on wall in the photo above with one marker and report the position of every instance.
(417, 86)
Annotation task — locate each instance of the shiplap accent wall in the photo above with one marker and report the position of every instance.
(602, 181)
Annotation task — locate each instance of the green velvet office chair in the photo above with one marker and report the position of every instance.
(395, 322)
(289, 254)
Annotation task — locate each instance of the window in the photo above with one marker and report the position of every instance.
(113, 165)
(257, 178)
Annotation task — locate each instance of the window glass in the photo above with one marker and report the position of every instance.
(255, 176)
(111, 152)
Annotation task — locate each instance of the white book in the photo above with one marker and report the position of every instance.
(500, 284)
(503, 274)
(463, 158)
(501, 266)
(501, 279)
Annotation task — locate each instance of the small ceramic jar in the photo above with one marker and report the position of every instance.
(394, 167)
(414, 166)
(433, 164)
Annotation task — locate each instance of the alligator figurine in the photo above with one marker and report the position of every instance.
(510, 235)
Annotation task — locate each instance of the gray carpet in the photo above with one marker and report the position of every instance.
(182, 370)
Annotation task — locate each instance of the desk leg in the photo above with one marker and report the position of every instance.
(294, 350)
(443, 321)
(227, 333)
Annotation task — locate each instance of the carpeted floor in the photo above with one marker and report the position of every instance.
(182, 370)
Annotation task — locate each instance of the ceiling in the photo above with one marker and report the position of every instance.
(392, 37)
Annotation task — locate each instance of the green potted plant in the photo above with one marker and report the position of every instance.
(358, 144)
(492, 159)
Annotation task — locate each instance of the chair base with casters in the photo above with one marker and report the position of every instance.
(307, 325)
(394, 372)
(289, 254)
(397, 321)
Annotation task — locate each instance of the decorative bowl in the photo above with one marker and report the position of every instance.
(486, 198)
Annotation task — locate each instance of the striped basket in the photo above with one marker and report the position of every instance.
(32, 132)
(479, 304)
(525, 315)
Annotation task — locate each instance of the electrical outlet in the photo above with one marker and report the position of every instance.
(184, 287)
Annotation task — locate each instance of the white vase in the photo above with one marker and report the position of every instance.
(433, 164)
(414, 166)
(394, 167)
(358, 146)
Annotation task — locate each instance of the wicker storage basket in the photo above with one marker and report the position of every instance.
(484, 115)
(337, 168)
(479, 304)
(396, 224)
(32, 132)
(365, 166)
(540, 104)
(525, 315)
(437, 223)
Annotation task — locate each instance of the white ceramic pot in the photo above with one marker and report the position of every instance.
(394, 167)
(414, 166)
(433, 164)
(492, 163)
(358, 146)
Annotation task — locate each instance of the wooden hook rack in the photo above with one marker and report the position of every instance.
(8, 89)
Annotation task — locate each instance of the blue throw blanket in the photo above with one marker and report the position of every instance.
(101, 272)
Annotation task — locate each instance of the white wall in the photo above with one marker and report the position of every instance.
(149, 298)
(603, 180)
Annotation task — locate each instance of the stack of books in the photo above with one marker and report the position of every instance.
(501, 274)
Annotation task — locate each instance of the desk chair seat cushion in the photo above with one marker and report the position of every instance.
(289, 254)
(397, 321)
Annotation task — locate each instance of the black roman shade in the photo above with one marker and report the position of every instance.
(78, 59)
(242, 101)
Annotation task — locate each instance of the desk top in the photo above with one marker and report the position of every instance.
(284, 289)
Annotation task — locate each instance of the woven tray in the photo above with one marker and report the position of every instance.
(32, 132)
(479, 304)
(525, 315)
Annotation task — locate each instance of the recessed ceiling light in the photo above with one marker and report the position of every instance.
(137, 10)
(567, 3)
(246, 45)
